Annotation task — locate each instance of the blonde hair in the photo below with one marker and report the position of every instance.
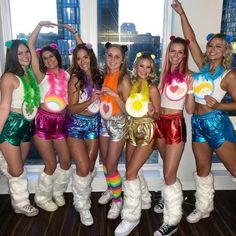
(152, 77)
(227, 56)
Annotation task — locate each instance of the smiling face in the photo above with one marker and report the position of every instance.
(215, 49)
(176, 54)
(24, 56)
(144, 68)
(83, 60)
(49, 60)
(114, 59)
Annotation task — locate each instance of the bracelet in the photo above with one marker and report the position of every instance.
(74, 33)
(190, 91)
(182, 13)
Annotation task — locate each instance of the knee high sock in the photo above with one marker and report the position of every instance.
(107, 179)
(116, 185)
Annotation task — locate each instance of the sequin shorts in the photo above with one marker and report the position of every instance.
(171, 127)
(16, 129)
(213, 127)
(83, 126)
(140, 131)
(115, 128)
(49, 125)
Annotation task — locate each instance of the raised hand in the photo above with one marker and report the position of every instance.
(176, 5)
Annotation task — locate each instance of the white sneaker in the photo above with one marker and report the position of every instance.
(115, 210)
(86, 218)
(125, 227)
(105, 197)
(59, 200)
(196, 215)
(48, 206)
(27, 210)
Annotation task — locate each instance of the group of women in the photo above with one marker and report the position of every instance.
(81, 111)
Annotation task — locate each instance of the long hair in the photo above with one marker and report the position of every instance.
(227, 56)
(123, 67)
(80, 74)
(55, 52)
(12, 64)
(152, 77)
(183, 66)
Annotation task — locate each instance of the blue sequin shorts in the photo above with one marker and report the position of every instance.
(213, 127)
(83, 126)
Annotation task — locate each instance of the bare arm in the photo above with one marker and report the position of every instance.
(190, 100)
(73, 97)
(155, 97)
(125, 88)
(32, 41)
(7, 85)
(189, 34)
(74, 32)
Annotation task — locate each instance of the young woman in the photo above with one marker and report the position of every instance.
(50, 134)
(176, 89)
(212, 130)
(83, 124)
(19, 102)
(143, 106)
(115, 90)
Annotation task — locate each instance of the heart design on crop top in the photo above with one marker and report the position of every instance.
(176, 91)
(106, 110)
(173, 89)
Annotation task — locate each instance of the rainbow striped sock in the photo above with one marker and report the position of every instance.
(107, 179)
(116, 185)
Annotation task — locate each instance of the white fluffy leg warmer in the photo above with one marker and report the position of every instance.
(61, 180)
(132, 200)
(204, 193)
(18, 187)
(173, 196)
(145, 194)
(44, 188)
(81, 188)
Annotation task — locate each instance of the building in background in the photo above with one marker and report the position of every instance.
(228, 23)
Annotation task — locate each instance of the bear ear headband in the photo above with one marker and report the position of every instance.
(89, 46)
(139, 54)
(172, 37)
(52, 45)
(8, 43)
(124, 48)
(228, 38)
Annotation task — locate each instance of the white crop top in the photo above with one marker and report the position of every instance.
(44, 86)
(93, 107)
(173, 95)
(18, 95)
(203, 86)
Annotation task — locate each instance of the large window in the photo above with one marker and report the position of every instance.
(129, 22)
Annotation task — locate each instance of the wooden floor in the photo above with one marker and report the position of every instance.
(66, 222)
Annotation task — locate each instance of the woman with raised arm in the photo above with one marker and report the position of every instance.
(50, 133)
(115, 91)
(176, 94)
(212, 130)
(143, 106)
(83, 124)
(19, 102)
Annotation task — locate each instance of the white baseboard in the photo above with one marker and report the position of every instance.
(222, 180)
